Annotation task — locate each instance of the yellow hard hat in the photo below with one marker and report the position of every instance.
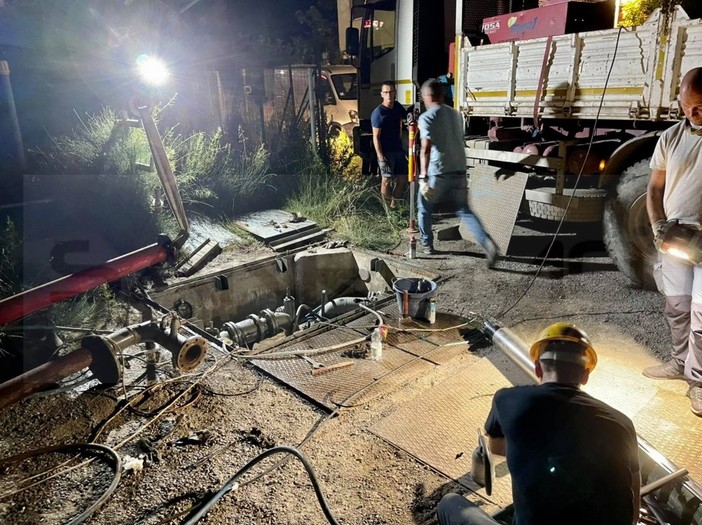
(564, 332)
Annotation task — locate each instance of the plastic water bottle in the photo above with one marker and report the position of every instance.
(431, 315)
(376, 346)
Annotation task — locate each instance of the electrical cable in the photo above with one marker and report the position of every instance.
(575, 314)
(344, 404)
(210, 392)
(63, 389)
(83, 516)
(575, 186)
(194, 389)
(233, 485)
(292, 353)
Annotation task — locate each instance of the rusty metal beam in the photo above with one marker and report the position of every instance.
(36, 379)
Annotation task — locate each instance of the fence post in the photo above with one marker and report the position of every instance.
(312, 94)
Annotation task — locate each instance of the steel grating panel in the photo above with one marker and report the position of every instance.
(496, 200)
(400, 357)
(439, 427)
(659, 409)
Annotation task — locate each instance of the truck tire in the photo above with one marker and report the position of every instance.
(627, 231)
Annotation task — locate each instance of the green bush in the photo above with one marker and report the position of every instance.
(335, 199)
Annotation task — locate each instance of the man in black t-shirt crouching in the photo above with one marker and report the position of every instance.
(573, 459)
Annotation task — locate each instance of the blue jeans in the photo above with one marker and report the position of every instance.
(454, 186)
(454, 509)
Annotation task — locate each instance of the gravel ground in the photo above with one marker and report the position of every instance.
(196, 448)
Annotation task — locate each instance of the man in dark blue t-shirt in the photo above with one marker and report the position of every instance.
(386, 121)
(573, 459)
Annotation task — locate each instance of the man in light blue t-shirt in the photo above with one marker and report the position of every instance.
(442, 175)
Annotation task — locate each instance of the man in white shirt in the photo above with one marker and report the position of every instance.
(675, 194)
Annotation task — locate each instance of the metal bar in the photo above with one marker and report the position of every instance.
(655, 485)
(7, 99)
(553, 163)
(165, 173)
(312, 97)
(34, 380)
(25, 303)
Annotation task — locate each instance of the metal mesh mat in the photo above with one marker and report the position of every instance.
(439, 427)
(406, 356)
(659, 409)
(496, 200)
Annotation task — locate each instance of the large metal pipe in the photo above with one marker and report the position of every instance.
(512, 345)
(38, 378)
(256, 328)
(25, 303)
(101, 355)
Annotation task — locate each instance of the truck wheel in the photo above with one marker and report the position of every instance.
(627, 231)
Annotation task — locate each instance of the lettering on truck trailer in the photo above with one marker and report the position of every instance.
(491, 27)
(521, 27)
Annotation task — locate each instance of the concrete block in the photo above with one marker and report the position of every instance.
(329, 269)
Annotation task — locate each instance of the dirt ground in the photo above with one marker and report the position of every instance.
(195, 448)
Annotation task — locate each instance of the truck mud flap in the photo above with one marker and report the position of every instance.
(495, 195)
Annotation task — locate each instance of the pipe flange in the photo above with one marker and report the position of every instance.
(235, 334)
(271, 322)
(191, 354)
(105, 364)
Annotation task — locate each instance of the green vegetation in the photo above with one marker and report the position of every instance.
(337, 199)
(636, 12)
(100, 184)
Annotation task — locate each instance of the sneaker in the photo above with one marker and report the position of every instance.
(491, 252)
(428, 249)
(668, 370)
(695, 395)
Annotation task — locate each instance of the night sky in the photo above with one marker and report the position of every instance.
(78, 55)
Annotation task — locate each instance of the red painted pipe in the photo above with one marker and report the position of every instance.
(25, 303)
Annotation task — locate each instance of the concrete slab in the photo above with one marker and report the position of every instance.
(269, 225)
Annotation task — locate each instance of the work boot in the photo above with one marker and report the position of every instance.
(668, 370)
(695, 395)
(491, 252)
(428, 249)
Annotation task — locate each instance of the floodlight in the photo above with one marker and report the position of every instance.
(152, 70)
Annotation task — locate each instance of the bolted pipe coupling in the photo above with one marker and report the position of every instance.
(190, 354)
(256, 328)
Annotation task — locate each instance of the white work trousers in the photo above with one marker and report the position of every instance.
(682, 286)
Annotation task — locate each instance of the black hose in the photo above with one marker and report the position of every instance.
(229, 485)
(78, 446)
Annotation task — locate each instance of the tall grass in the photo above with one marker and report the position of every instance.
(337, 198)
(219, 178)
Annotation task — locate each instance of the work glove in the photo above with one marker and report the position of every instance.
(425, 189)
(660, 229)
(385, 168)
